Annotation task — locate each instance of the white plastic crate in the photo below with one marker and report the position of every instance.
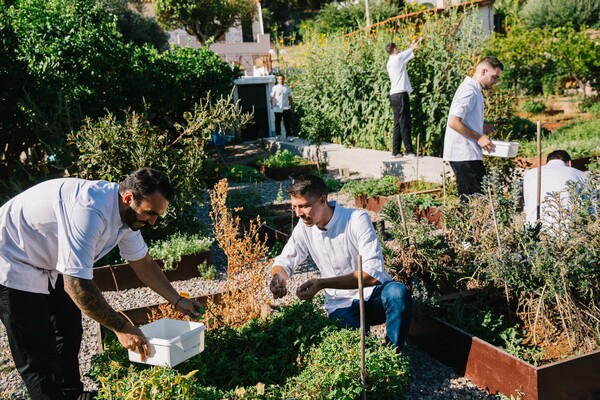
(171, 341)
(504, 149)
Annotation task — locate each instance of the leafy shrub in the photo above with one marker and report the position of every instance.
(284, 159)
(333, 185)
(371, 187)
(177, 245)
(111, 149)
(333, 369)
(534, 106)
(243, 173)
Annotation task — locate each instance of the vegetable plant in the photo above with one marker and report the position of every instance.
(177, 245)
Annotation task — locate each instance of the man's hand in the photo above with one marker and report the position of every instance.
(189, 307)
(308, 289)
(278, 286)
(485, 143)
(416, 42)
(132, 338)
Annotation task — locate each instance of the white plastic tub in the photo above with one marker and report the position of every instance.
(504, 149)
(171, 342)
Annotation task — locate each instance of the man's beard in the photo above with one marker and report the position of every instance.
(131, 219)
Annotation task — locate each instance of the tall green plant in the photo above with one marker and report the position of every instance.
(342, 89)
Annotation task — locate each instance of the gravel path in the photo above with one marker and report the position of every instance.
(429, 378)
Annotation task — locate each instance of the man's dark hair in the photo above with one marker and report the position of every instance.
(146, 181)
(308, 186)
(389, 48)
(559, 155)
(492, 62)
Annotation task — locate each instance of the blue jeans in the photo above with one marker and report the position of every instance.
(391, 303)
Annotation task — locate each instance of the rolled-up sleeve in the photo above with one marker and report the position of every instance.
(293, 253)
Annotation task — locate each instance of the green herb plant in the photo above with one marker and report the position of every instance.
(177, 245)
(371, 187)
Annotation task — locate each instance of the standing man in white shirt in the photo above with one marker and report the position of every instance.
(399, 96)
(281, 103)
(555, 176)
(50, 236)
(334, 237)
(466, 136)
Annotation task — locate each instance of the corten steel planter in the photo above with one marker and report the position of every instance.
(495, 370)
(432, 214)
(121, 276)
(281, 174)
(374, 204)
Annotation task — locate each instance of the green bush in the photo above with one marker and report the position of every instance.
(111, 149)
(171, 249)
(333, 369)
(243, 173)
(283, 159)
(534, 106)
(385, 186)
(590, 105)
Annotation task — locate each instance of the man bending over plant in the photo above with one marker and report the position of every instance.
(50, 236)
(335, 236)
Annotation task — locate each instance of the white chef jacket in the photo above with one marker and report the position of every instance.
(555, 175)
(467, 104)
(335, 250)
(62, 225)
(281, 97)
(396, 67)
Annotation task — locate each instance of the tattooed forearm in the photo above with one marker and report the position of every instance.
(89, 299)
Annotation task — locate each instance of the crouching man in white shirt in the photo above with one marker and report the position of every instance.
(50, 237)
(556, 174)
(334, 237)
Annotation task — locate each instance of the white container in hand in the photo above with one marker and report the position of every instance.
(171, 341)
(504, 149)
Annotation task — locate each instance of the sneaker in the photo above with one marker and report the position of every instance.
(410, 155)
(398, 155)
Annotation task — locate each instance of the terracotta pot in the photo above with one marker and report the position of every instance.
(121, 276)
(492, 368)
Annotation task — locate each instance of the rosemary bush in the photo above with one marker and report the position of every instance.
(171, 249)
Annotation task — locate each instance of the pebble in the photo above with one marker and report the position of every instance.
(429, 379)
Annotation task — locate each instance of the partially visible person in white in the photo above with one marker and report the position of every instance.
(466, 135)
(400, 90)
(281, 103)
(556, 175)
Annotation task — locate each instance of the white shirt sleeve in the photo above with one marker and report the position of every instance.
(463, 104)
(293, 253)
(368, 246)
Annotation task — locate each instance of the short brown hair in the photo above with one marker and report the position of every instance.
(492, 62)
(390, 47)
(308, 185)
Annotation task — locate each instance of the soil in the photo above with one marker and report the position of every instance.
(560, 111)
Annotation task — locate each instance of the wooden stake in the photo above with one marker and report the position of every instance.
(444, 182)
(418, 157)
(539, 172)
(399, 201)
(363, 372)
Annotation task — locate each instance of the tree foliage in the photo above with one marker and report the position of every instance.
(203, 19)
(557, 13)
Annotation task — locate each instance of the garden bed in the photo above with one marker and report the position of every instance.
(492, 368)
(283, 173)
(121, 276)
